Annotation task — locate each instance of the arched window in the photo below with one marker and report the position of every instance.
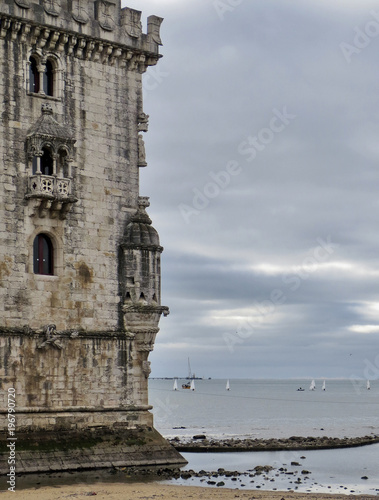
(46, 162)
(48, 78)
(43, 255)
(33, 75)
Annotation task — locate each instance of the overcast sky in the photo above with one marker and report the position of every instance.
(263, 177)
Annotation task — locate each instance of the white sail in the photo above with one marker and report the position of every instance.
(192, 385)
(368, 385)
(190, 375)
(175, 388)
(324, 386)
(228, 386)
(312, 387)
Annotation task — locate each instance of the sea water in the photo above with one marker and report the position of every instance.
(273, 409)
(265, 408)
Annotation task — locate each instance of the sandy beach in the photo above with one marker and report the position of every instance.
(158, 491)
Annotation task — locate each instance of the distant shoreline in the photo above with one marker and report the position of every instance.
(201, 444)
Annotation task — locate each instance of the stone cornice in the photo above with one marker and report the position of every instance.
(52, 39)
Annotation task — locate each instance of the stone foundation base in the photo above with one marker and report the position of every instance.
(88, 449)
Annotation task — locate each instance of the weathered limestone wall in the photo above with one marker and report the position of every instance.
(71, 372)
(100, 105)
(75, 341)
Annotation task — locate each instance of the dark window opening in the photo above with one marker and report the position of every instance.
(33, 76)
(48, 78)
(43, 255)
(46, 162)
(62, 164)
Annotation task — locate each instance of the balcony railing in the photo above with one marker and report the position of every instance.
(49, 186)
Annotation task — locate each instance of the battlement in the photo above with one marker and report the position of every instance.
(85, 26)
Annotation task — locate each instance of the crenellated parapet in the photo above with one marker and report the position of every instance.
(111, 36)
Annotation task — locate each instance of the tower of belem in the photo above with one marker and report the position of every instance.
(80, 297)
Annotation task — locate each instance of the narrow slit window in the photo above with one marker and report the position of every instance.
(48, 78)
(33, 76)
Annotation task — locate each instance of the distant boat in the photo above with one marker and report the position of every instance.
(312, 387)
(192, 386)
(368, 385)
(175, 388)
(228, 386)
(188, 384)
(300, 389)
(324, 386)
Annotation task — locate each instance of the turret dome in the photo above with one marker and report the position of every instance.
(139, 232)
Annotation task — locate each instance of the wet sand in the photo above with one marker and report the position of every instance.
(159, 491)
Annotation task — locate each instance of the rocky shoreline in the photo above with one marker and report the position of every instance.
(200, 443)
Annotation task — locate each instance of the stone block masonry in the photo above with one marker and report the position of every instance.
(80, 298)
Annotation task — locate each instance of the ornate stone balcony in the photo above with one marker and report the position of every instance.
(49, 185)
(51, 195)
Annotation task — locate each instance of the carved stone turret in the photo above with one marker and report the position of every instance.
(140, 278)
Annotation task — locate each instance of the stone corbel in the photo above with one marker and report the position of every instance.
(53, 40)
(35, 34)
(44, 207)
(80, 47)
(26, 28)
(71, 44)
(63, 39)
(56, 207)
(89, 49)
(16, 27)
(66, 207)
(107, 51)
(42, 39)
(98, 52)
(116, 53)
(5, 25)
(125, 58)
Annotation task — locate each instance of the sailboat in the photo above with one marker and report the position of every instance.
(312, 387)
(175, 388)
(368, 385)
(227, 386)
(188, 384)
(192, 386)
(324, 386)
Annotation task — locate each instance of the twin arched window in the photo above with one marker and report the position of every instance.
(46, 166)
(43, 255)
(44, 72)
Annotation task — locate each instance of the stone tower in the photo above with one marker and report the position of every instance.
(79, 259)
